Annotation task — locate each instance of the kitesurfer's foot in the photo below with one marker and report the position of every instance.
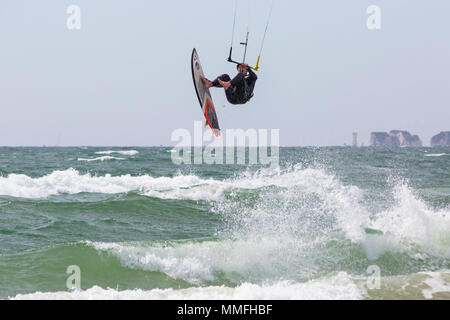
(224, 84)
(208, 84)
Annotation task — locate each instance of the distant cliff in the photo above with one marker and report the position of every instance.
(382, 139)
(441, 140)
(395, 138)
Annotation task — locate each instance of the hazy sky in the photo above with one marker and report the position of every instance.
(124, 78)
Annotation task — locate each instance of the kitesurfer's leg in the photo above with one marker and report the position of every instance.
(225, 84)
(251, 81)
(249, 89)
(231, 96)
(238, 79)
(208, 84)
(222, 78)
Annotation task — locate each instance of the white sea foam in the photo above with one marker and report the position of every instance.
(123, 152)
(196, 262)
(435, 154)
(104, 158)
(412, 221)
(436, 284)
(337, 286)
(413, 286)
(70, 181)
(178, 187)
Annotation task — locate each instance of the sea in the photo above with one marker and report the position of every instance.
(128, 223)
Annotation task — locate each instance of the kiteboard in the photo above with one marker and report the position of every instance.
(203, 95)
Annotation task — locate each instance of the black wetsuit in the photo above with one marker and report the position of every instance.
(241, 89)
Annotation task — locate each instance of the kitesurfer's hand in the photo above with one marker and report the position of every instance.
(243, 68)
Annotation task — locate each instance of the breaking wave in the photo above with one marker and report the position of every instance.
(339, 286)
(291, 201)
(288, 210)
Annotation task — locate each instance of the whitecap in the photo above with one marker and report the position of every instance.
(104, 158)
(122, 152)
(435, 154)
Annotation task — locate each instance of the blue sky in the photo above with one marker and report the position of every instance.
(124, 77)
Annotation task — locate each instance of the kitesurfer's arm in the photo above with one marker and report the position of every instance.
(218, 82)
(252, 76)
(242, 72)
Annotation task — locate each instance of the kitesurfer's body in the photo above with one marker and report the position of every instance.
(238, 90)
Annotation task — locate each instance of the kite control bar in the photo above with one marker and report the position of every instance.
(245, 53)
(256, 68)
(238, 63)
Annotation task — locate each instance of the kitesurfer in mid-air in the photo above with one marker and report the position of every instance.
(238, 90)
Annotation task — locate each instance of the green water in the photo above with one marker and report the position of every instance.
(139, 226)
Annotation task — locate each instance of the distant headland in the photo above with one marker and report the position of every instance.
(401, 138)
(441, 140)
(395, 138)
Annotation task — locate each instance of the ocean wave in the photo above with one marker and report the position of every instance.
(178, 187)
(104, 158)
(123, 152)
(70, 181)
(410, 220)
(269, 256)
(335, 286)
(222, 269)
(338, 286)
(199, 262)
(292, 206)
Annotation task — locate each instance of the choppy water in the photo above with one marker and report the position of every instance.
(139, 226)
